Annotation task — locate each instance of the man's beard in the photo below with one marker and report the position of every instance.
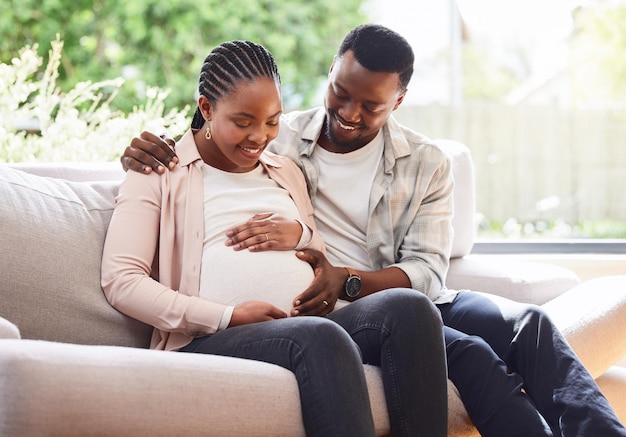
(328, 133)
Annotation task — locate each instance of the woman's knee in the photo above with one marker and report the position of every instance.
(412, 304)
(398, 298)
(403, 314)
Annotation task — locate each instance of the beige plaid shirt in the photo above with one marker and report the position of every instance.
(411, 204)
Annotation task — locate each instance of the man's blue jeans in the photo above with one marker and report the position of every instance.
(516, 374)
(399, 330)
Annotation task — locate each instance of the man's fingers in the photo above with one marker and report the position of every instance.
(150, 137)
(131, 164)
(308, 255)
(159, 148)
(140, 161)
(169, 140)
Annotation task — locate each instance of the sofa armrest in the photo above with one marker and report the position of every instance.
(592, 317)
(8, 329)
(522, 281)
(613, 386)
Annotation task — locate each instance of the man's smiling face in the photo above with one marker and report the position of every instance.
(358, 103)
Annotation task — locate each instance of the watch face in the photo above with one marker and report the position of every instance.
(353, 286)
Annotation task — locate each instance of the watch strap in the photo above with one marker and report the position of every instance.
(351, 272)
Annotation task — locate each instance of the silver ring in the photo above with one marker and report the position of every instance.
(325, 302)
(267, 238)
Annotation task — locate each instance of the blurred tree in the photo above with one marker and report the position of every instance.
(484, 79)
(597, 61)
(163, 43)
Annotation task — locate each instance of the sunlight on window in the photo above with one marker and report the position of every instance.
(537, 90)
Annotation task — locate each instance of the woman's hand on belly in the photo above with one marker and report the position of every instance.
(255, 311)
(266, 231)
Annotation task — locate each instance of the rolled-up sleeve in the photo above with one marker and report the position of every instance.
(425, 243)
(411, 223)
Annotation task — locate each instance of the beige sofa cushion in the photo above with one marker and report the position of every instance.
(522, 281)
(8, 329)
(75, 390)
(52, 233)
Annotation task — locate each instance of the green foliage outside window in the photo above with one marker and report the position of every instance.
(515, 230)
(39, 122)
(163, 43)
(119, 67)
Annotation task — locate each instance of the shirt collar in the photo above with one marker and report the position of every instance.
(396, 144)
(395, 138)
(312, 130)
(186, 149)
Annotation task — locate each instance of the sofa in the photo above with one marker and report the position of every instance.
(72, 365)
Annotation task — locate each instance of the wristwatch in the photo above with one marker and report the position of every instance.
(353, 283)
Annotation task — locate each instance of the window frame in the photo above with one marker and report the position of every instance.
(567, 246)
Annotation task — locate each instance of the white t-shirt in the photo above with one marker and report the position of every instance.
(343, 199)
(231, 277)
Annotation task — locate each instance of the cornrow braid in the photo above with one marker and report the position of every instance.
(228, 64)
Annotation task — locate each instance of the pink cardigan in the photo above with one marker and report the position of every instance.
(157, 229)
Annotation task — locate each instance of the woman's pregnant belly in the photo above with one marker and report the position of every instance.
(232, 277)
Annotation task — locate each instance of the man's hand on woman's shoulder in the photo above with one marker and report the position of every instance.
(149, 152)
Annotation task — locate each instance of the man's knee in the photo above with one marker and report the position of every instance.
(469, 350)
(533, 318)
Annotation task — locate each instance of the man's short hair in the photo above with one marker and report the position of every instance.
(380, 49)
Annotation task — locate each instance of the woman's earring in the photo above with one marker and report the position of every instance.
(207, 134)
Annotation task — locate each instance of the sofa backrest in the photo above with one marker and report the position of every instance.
(53, 222)
(463, 221)
(74, 171)
(52, 233)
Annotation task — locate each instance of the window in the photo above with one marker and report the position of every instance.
(536, 90)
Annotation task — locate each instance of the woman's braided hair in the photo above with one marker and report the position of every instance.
(228, 64)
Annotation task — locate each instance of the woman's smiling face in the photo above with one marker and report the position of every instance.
(242, 124)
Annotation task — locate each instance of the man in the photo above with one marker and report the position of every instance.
(383, 204)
